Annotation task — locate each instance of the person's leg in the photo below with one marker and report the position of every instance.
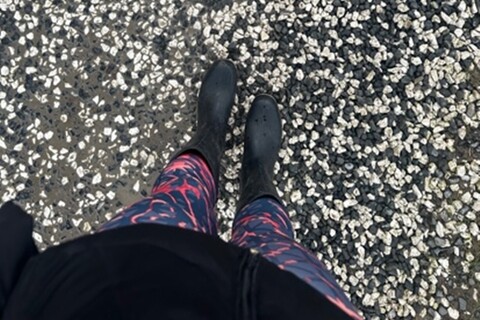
(264, 226)
(184, 195)
(262, 222)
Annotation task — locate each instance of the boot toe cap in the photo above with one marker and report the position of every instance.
(223, 72)
(219, 86)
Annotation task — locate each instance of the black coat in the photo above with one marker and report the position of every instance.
(146, 271)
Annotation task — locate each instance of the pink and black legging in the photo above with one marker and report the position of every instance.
(184, 195)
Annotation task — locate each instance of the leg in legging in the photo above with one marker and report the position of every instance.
(264, 225)
(184, 196)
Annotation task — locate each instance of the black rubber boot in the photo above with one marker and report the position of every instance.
(217, 95)
(263, 137)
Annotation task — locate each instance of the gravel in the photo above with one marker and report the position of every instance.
(380, 102)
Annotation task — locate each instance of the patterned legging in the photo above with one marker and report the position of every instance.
(184, 195)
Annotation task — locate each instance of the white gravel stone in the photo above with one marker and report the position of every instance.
(4, 71)
(133, 131)
(349, 203)
(295, 196)
(97, 178)
(48, 135)
(440, 229)
(300, 75)
(453, 313)
(80, 172)
(136, 186)
(107, 131)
